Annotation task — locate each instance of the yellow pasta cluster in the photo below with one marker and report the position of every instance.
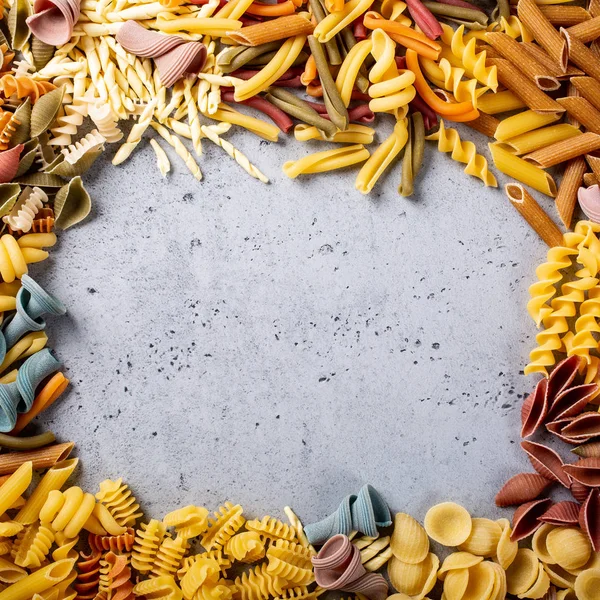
(565, 302)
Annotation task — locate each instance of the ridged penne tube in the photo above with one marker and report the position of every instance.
(534, 214)
(273, 30)
(333, 23)
(54, 479)
(350, 68)
(465, 152)
(581, 55)
(381, 159)
(543, 31)
(566, 198)
(181, 150)
(522, 123)
(328, 160)
(355, 134)
(539, 138)
(500, 102)
(39, 581)
(564, 150)
(42, 458)
(522, 171)
(215, 27)
(582, 111)
(485, 124)
(589, 88)
(15, 485)
(270, 73)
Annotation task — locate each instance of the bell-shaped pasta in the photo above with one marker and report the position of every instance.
(523, 572)
(448, 524)
(409, 541)
(483, 539)
(415, 580)
(569, 547)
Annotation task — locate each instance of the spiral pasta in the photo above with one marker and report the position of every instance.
(158, 588)
(246, 547)
(68, 511)
(448, 140)
(104, 119)
(148, 539)
(203, 571)
(585, 326)
(169, 556)
(472, 61)
(7, 131)
(217, 554)
(24, 87)
(32, 545)
(15, 255)
(26, 208)
(227, 521)
(290, 560)
(74, 111)
(120, 502)
(114, 543)
(259, 584)
(444, 75)
(272, 529)
(90, 142)
(88, 575)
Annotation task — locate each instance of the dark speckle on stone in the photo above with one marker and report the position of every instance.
(92, 290)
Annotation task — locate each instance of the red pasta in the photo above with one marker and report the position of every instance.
(580, 492)
(281, 119)
(114, 543)
(588, 450)
(562, 513)
(581, 428)
(522, 488)
(534, 409)
(88, 577)
(585, 471)
(424, 18)
(546, 462)
(589, 518)
(526, 518)
(9, 163)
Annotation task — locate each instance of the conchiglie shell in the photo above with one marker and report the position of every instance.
(22, 131)
(66, 169)
(41, 180)
(448, 523)
(540, 587)
(44, 111)
(17, 27)
(506, 550)
(559, 577)
(483, 539)
(587, 585)
(42, 53)
(458, 560)
(26, 163)
(9, 192)
(414, 580)
(72, 204)
(409, 541)
(455, 584)
(523, 572)
(566, 595)
(9, 163)
(569, 547)
(482, 578)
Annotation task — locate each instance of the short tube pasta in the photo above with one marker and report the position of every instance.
(41, 458)
(15, 485)
(522, 123)
(39, 581)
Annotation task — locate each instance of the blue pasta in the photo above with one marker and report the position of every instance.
(19, 396)
(363, 512)
(32, 302)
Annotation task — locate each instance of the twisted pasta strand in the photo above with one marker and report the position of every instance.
(585, 326)
(105, 121)
(24, 87)
(181, 150)
(448, 140)
(26, 208)
(444, 75)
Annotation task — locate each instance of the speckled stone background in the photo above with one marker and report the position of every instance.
(285, 343)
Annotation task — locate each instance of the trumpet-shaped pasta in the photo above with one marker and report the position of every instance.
(523, 572)
(68, 511)
(333, 23)
(444, 75)
(25, 209)
(409, 542)
(569, 547)
(159, 588)
(381, 159)
(472, 61)
(32, 545)
(203, 571)
(258, 584)
(483, 539)
(169, 556)
(246, 547)
(448, 523)
(290, 560)
(119, 500)
(227, 521)
(328, 160)
(16, 255)
(391, 89)
(448, 140)
(65, 547)
(189, 521)
(415, 580)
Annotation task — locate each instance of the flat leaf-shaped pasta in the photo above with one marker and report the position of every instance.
(45, 110)
(42, 53)
(72, 204)
(9, 192)
(26, 162)
(17, 27)
(41, 180)
(22, 130)
(66, 169)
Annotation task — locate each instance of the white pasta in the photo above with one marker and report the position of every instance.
(27, 206)
(92, 141)
(104, 119)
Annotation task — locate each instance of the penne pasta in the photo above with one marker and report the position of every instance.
(522, 171)
(590, 179)
(39, 581)
(565, 16)
(581, 55)
(586, 31)
(15, 485)
(594, 164)
(552, 67)
(485, 124)
(41, 458)
(564, 150)
(522, 123)
(534, 214)
(524, 88)
(500, 102)
(566, 198)
(582, 111)
(589, 88)
(271, 31)
(539, 138)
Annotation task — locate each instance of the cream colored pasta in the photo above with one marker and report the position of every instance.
(409, 542)
(448, 523)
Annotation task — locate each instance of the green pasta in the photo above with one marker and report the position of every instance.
(333, 52)
(502, 10)
(294, 106)
(263, 59)
(26, 443)
(413, 154)
(336, 110)
(457, 12)
(236, 57)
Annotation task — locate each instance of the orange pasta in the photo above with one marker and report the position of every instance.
(447, 109)
(334, 5)
(46, 396)
(271, 31)
(564, 150)
(272, 10)
(587, 31)
(310, 71)
(42, 458)
(565, 16)
(566, 198)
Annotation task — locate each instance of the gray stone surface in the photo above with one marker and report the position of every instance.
(284, 344)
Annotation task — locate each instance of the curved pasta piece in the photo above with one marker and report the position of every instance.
(145, 43)
(159, 588)
(9, 163)
(148, 539)
(24, 87)
(113, 543)
(483, 539)
(535, 409)
(189, 521)
(463, 151)
(523, 572)
(546, 462)
(586, 471)
(415, 580)
(32, 545)
(88, 575)
(587, 583)
(328, 160)
(203, 571)
(446, 76)
(562, 513)
(506, 551)
(169, 556)
(589, 518)
(227, 521)
(409, 541)
(246, 547)
(89, 143)
(333, 23)
(216, 554)
(589, 201)
(53, 21)
(120, 502)
(25, 209)
(290, 560)
(106, 122)
(525, 519)
(569, 547)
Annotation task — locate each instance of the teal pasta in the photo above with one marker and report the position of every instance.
(364, 512)
(18, 396)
